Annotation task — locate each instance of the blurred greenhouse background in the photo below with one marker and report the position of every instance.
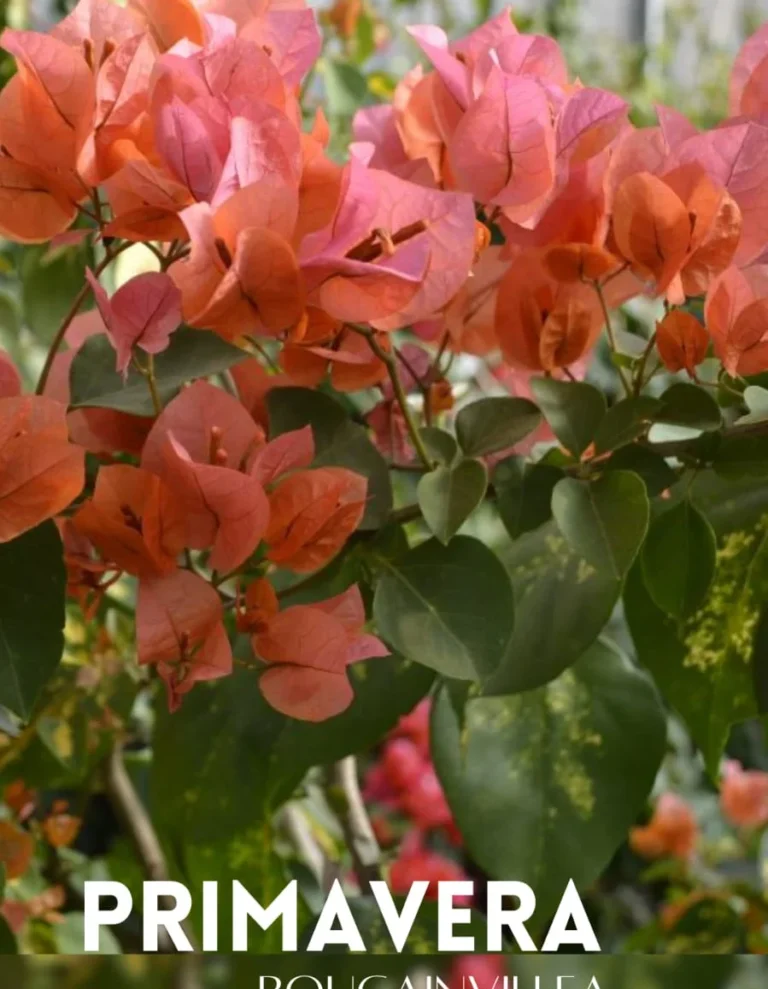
(668, 50)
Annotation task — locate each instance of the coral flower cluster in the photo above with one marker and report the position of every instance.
(495, 206)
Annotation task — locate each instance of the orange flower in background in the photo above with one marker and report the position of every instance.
(542, 324)
(60, 827)
(16, 849)
(20, 799)
(672, 831)
(744, 796)
(312, 514)
(682, 341)
(41, 472)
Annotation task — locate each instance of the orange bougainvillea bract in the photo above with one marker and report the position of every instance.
(497, 207)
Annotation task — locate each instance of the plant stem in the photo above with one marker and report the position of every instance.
(152, 383)
(611, 335)
(674, 448)
(270, 361)
(422, 385)
(294, 822)
(345, 798)
(640, 373)
(79, 299)
(390, 362)
(138, 825)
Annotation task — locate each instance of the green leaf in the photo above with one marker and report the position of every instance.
(440, 445)
(652, 467)
(524, 493)
(604, 520)
(448, 496)
(573, 409)
(69, 935)
(8, 944)
(544, 786)
(346, 88)
(760, 666)
(624, 422)
(49, 283)
(562, 604)
(32, 591)
(191, 354)
(731, 504)
(339, 442)
(678, 559)
(249, 857)
(740, 457)
(703, 665)
(688, 405)
(492, 424)
(226, 760)
(448, 607)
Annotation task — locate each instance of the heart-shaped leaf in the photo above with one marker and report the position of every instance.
(492, 424)
(573, 409)
(448, 496)
(545, 785)
(604, 520)
(678, 559)
(448, 607)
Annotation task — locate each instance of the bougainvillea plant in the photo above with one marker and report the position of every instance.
(279, 516)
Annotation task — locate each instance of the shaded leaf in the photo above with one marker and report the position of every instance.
(191, 354)
(32, 589)
(440, 444)
(545, 786)
(562, 604)
(741, 457)
(48, 286)
(226, 760)
(524, 493)
(573, 409)
(448, 607)
(448, 496)
(492, 424)
(604, 520)
(678, 559)
(652, 467)
(685, 404)
(624, 422)
(703, 665)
